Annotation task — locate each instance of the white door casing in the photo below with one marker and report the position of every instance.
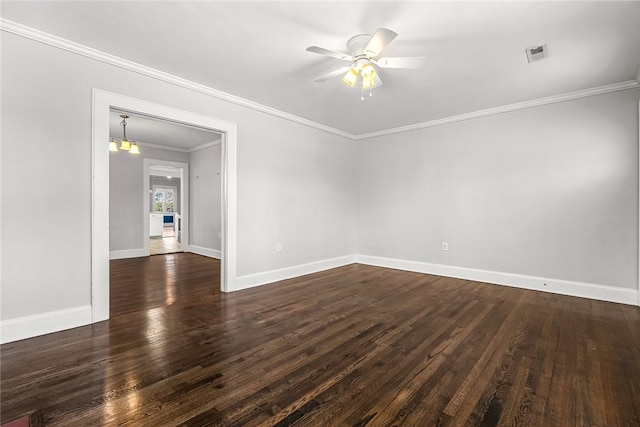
(102, 102)
(184, 203)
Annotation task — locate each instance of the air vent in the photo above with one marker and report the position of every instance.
(537, 53)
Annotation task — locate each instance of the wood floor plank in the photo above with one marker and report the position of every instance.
(480, 365)
(352, 346)
(363, 387)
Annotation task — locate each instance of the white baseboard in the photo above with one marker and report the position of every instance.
(211, 253)
(128, 253)
(54, 321)
(45, 323)
(252, 280)
(556, 286)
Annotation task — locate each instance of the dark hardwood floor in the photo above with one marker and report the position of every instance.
(352, 346)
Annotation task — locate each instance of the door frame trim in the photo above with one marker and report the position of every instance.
(184, 200)
(102, 102)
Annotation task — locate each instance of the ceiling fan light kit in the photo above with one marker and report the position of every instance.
(363, 50)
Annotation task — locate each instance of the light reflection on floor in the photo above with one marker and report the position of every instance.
(165, 245)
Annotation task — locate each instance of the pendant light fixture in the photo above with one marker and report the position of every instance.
(125, 144)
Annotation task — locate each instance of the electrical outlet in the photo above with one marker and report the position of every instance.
(279, 247)
(445, 246)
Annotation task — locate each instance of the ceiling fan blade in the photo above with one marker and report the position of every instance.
(335, 73)
(380, 39)
(401, 62)
(331, 53)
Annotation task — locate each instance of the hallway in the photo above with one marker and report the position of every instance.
(167, 244)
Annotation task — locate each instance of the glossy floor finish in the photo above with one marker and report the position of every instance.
(352, 346)
(166, 244)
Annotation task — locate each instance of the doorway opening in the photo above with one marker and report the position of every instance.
(165, 205)
(103, 102)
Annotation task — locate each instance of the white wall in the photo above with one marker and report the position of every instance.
(205, 197)
(297, 191)
(550, 191)
(294, 182)
(126, 193)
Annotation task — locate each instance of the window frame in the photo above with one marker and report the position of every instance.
(157, 187)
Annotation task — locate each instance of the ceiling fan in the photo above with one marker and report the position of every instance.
(363, 55)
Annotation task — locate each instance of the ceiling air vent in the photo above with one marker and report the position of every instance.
(537, 53)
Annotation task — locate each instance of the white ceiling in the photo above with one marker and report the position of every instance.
(256, 50)
(160, 133)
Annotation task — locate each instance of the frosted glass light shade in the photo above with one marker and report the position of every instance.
(351, 77)
(368, 83)
(134, 149)
(368, 72)
(368, 76)
(125, 145)
(113, 146)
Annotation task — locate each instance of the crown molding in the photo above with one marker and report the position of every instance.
(630, 84)
(181, 150)
(64, 44)
(162, 147)
(70, 46)
(205, 145)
